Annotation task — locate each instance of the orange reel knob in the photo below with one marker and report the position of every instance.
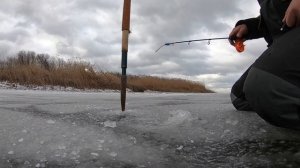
(239, 45)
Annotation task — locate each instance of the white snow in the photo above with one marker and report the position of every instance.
(180, 147)
(113, 154)
(50, 121)
(11, 152)
(232, 122)
(42, 165)
(110, 124)
(61, 147)
(94, 154)
(101, 141)
(178, 117)
(262, 130)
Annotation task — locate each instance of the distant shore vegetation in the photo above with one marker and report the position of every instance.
(29, 68)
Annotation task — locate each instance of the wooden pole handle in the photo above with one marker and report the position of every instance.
(125, 36)
(126, 15)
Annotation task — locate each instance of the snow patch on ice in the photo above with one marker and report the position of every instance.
(38, 165)
(16, 86)
(180, 147)
(11, 152)
(61, 147)
(51, 122)
(101, 141)
(94, 154)
(133, 139)
(113, 154)
(262, 130)
(110, 124)
(232, 122)
(178, 117)
(27, 163)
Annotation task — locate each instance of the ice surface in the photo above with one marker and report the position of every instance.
(74, 129)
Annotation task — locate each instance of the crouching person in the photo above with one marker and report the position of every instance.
(271, 86)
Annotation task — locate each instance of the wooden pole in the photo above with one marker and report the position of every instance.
(125, 37)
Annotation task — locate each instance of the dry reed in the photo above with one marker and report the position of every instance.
(28, 68)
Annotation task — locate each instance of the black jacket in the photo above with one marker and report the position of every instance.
(269, 22)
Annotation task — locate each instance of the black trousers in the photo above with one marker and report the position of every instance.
(271, 86)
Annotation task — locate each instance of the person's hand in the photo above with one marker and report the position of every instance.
(292, 14)
(238, 32)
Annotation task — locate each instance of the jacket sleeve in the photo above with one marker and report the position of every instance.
(255, 27)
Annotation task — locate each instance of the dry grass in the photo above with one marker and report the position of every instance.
(28, 68)
(141, 83)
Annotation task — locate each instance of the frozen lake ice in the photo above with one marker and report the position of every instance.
(77, 129)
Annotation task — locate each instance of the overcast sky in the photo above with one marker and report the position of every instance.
(90, 30)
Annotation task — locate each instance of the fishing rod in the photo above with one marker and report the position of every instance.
(238, 42)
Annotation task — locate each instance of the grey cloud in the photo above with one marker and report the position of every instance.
(15, 35)
(5, 49)
(179, 19)
(97, 4)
